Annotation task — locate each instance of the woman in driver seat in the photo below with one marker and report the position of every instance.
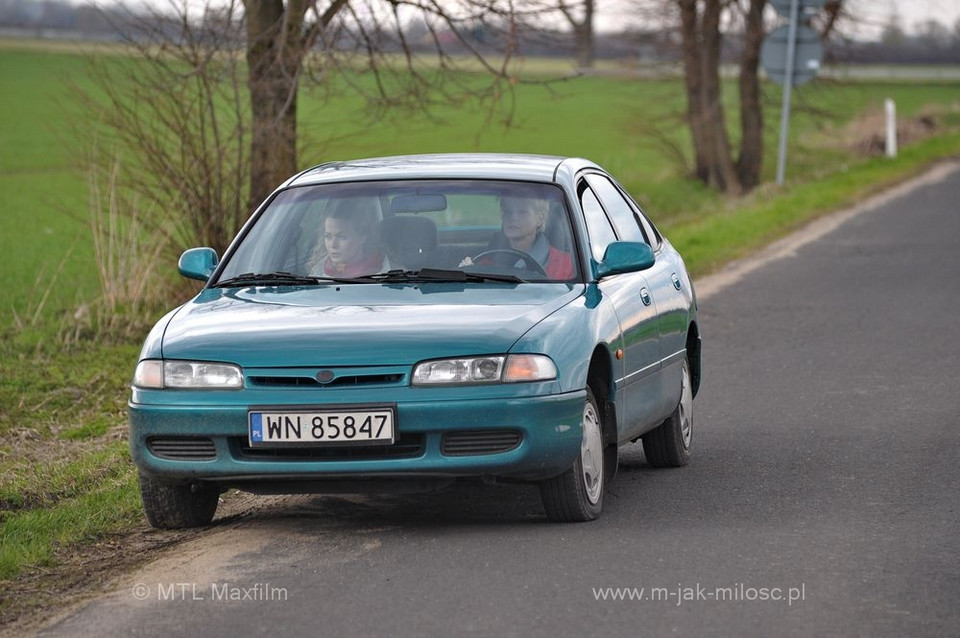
(524, 220)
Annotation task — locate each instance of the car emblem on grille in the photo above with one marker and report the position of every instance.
(324, 376)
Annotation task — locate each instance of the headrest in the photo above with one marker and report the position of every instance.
(409, 234)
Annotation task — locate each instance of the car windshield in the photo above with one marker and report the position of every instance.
(423, 230)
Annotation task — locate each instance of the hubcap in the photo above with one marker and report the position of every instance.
(686, 409)
(591, 454)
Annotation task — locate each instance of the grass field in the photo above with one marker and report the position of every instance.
(65, 479)
(621, 124)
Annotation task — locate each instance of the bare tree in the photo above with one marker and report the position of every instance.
(542, 16)
(371, 34)
(703, 25)
(204, 113)
(580, 16)
(175, 116)
(934, 33)
(893, 33)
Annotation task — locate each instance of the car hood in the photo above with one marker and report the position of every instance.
(359, 324)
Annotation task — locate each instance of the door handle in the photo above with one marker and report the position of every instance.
(645, 296)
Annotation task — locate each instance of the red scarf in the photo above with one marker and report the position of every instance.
(369, 266)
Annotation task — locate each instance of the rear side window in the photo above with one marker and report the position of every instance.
(622, 214)
(651, 231)
(598, 226)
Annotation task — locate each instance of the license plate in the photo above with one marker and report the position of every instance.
(348, 426)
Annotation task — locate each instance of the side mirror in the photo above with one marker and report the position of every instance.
(198, 263)
(625, 256)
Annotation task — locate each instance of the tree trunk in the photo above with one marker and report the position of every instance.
(750, 160)
(722, 173)
(275, 52)
(692, 74)
(583, 33)
(700, 43)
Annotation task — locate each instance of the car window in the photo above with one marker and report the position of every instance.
(621, 213)
(649, 229)
(521, 230)
(598, 226)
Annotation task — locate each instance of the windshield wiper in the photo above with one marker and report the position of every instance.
(388, 276)
(491, 276)
(283, 278)
(426, 275)
(271, 279)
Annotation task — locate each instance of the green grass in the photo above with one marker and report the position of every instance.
(42, 187)
(709, 242)
(65, 475)
(98, 506)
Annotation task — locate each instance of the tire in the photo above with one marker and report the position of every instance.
(178, 506)
(577, 494)
(669, 444)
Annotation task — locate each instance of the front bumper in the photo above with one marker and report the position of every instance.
(545, 430)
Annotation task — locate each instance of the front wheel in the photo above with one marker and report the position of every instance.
(176, 506)
(669, 444)
(577, 494)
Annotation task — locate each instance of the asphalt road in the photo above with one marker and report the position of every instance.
(822, 498)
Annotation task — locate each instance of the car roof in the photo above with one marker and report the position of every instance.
(512, 166)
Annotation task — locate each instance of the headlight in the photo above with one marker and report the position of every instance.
(494, 369)
(153, 373)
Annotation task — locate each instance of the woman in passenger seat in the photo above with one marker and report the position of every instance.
(350, 246)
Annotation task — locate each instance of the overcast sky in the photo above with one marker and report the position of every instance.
(871, 14)
(912, 11)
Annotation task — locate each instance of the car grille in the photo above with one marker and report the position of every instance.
(406, 446)
(182, 448)
(352, 380)
(475, 442)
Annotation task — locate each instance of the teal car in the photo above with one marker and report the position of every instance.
(402, 323)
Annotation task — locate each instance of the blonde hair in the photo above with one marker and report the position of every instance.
(536, 205)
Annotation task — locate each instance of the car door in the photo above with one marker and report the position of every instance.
(639, 392)
(664, 283)
(674, 292)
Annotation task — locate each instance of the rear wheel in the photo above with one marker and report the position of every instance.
(577, 494)
(669, 444)
(176, 506)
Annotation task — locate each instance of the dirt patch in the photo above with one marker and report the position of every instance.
(866, 135)
(32, 599)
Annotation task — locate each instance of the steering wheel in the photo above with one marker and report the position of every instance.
(528, 262)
